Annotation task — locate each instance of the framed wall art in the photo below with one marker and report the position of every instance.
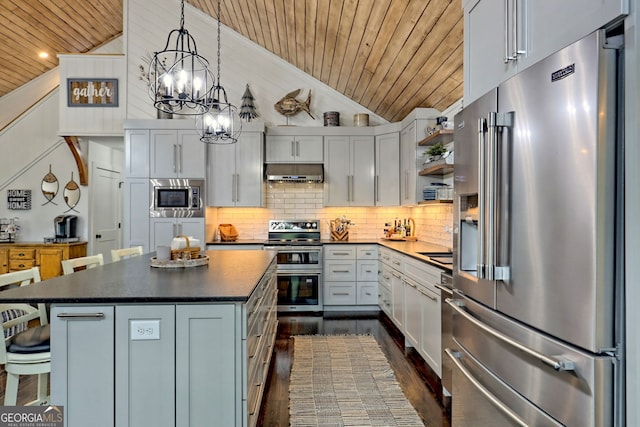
(92, 92)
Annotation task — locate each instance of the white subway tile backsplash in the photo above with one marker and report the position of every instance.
(289, 200)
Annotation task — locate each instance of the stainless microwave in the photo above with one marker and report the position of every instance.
(176, 197)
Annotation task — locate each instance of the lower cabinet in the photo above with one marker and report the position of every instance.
(163, 230)
(409, 296)
(83, 369)
(350, 276)
(163, 364)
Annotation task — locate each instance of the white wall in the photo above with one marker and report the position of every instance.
(28, 147)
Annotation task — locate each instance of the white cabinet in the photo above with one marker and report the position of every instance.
(424, 315)
(202, 369)
(136, 153)
(349, 170)
(384, 288)
(176, 153)
(235, 172)
(387, 170)
(408, 167)
(146, 366)
(294, 149)
(136, 213)
(163, 230)
(83, 370)
(350, 274)
(414, 305)
(392, 275)
(502, 37)
(207, 361)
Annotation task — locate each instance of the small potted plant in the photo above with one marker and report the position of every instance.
(435, 152)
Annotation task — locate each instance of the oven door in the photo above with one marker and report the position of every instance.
(298, 257)
(300, 290)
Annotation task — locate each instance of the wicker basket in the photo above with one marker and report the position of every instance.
(193, 252)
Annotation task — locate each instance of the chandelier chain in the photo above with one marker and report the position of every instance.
(182, 15)
(218, 16)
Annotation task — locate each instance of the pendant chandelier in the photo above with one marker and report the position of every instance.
(220, 124)
(179, 79)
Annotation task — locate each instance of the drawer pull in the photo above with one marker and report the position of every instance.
(339, 271)
(341, 293)
(80, 315)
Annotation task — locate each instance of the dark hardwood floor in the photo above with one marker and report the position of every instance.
(410, 370)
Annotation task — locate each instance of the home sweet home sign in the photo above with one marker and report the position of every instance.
(19, 199)
(92, 92)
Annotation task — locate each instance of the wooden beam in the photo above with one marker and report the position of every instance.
(81, 160)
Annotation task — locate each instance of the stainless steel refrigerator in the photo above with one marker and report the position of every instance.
(537, 297)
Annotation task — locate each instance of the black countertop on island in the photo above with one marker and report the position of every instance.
(229, 276)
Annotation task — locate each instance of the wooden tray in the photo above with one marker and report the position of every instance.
(170, 263)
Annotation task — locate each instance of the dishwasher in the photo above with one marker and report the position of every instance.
(446, 314)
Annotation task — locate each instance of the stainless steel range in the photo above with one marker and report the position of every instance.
(299, 263)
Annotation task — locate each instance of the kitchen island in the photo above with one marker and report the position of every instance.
(136, 345)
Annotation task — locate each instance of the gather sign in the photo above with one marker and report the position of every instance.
(92, 92)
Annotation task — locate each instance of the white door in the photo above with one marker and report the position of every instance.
(106, 196)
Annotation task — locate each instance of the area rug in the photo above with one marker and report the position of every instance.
(345, 381)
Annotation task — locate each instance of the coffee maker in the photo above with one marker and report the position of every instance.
(65, 226)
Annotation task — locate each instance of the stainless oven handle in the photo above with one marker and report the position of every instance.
(497, 402)
(298, 272)
(555, 363)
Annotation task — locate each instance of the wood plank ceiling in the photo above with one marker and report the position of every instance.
(390, 56)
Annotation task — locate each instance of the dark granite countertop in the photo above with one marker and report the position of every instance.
(410, 248)
(230, 276)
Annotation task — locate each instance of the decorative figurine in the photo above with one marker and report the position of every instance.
(290, 106)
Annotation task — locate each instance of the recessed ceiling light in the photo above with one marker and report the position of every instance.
(43, 55)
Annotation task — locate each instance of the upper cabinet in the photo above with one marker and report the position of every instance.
(387, 179)
(235, 170)
(176, 154)
(503, 37)
(294, 149)
(349, 170)
(163, 149)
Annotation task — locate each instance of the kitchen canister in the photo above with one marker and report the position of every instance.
(361, 120)
(332, 118)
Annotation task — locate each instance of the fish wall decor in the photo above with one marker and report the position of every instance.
(290, 106)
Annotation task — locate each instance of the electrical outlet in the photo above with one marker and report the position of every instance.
(144, 329)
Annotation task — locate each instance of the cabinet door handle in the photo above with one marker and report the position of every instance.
(297, 148)
(80, 315)
(175, 157)
(293, 148)
(179, 158)
(427, 295)
(375, 188)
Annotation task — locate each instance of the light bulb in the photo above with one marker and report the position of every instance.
(167, 81)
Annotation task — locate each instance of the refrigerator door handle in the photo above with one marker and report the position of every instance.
(554, 362)
(453, 355)
(482, 167)
(494, 271)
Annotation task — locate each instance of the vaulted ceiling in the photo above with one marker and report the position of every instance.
(390, 56)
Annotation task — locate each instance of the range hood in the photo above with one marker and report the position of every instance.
(294, 172)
